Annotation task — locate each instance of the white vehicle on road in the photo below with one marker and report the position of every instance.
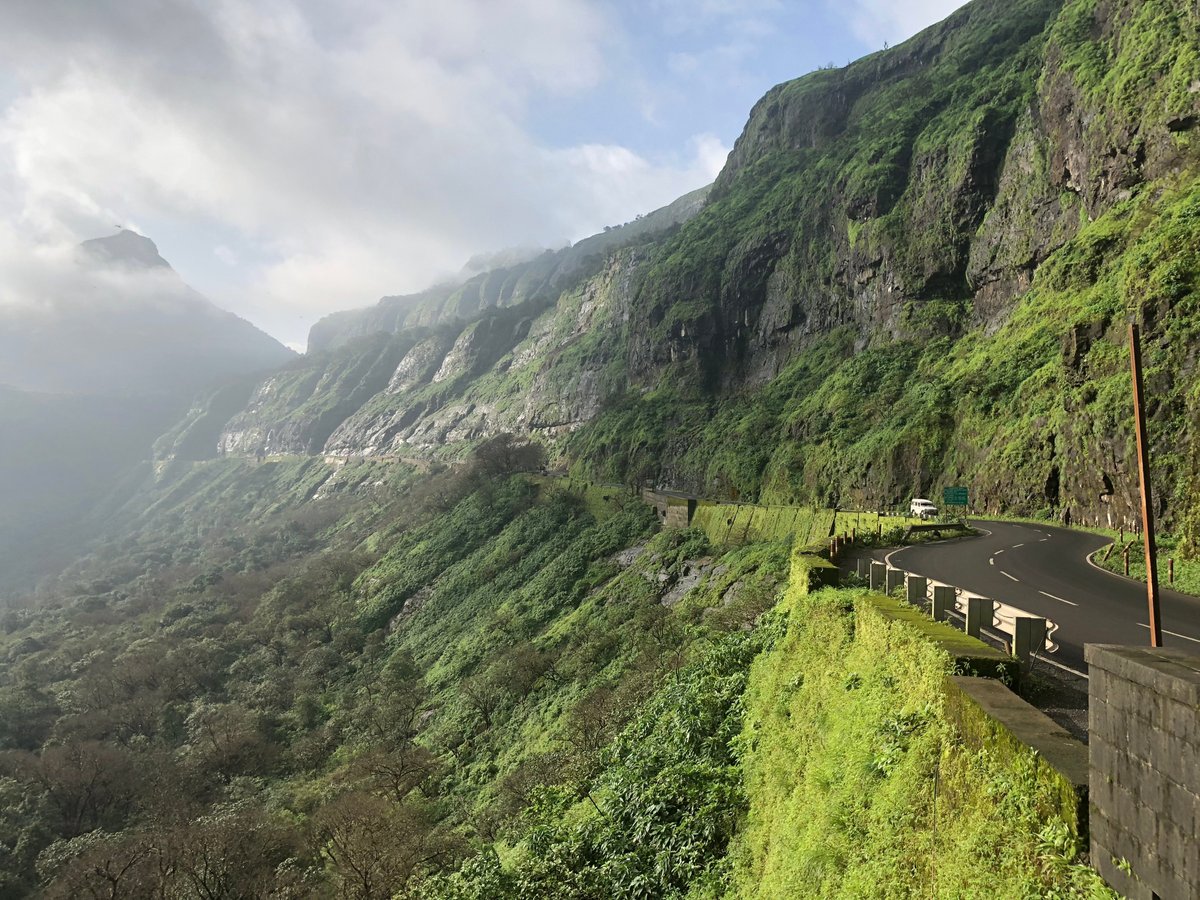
(922, 509)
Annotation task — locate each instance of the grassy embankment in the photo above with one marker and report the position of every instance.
(813, 756)
(1187, 571)
(860, 784)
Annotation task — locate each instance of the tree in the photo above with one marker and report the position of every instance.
(237, 851)
(505, 454)
(389, 706)
(225, 738)
(397, 771)
(376, 847)
(89, 784)
(105, 866)
(484, 696)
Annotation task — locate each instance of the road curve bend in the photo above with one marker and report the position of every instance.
(1044, 571)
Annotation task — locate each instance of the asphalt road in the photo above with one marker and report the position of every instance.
(1044, 571)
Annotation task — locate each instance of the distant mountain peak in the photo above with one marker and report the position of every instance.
(126, 247)
(141, 333)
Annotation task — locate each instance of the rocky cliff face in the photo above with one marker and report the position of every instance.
(913, 270)
(538, 278)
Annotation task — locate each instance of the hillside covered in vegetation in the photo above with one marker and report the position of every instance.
(292, 680)
(915, 270)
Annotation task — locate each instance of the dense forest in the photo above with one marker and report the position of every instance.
(370, 681)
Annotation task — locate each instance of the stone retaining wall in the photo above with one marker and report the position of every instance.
(1144, 724)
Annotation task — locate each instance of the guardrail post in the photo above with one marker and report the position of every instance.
(979, 613)
(943, 602)
(878, 576)
(917, 585)
(1029, 637)
(895, 578)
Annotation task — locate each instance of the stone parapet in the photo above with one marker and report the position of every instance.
(1144, 747)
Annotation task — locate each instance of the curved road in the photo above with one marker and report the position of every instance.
(1044, 571)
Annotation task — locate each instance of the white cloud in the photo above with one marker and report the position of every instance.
(360, 148)
(880, 21)
(54, 278)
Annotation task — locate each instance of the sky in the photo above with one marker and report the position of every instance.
(295, 157)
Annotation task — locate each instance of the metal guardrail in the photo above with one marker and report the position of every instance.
(1023, 636)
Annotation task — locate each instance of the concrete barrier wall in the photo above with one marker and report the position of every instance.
(1144, 746)
(989, 715)
(731, 524)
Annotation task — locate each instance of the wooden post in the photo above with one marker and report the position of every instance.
(1171, 570)
(1143, 447)
(1125, 554)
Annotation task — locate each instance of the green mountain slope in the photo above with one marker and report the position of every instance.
(913, 271)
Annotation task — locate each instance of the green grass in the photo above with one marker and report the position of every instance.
(1187, 571)
(858, 785)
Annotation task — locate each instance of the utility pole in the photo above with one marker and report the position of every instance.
(1143, 448)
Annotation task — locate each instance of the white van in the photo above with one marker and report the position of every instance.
(922, 509)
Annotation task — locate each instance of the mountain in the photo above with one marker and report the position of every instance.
(120, 322)
(91, 372)
(125, 248)
(913, 271)
(519, 277)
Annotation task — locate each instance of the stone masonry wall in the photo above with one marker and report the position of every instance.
(679, 512)
(1144, 756)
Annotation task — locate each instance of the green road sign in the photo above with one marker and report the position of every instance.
(954, 496)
